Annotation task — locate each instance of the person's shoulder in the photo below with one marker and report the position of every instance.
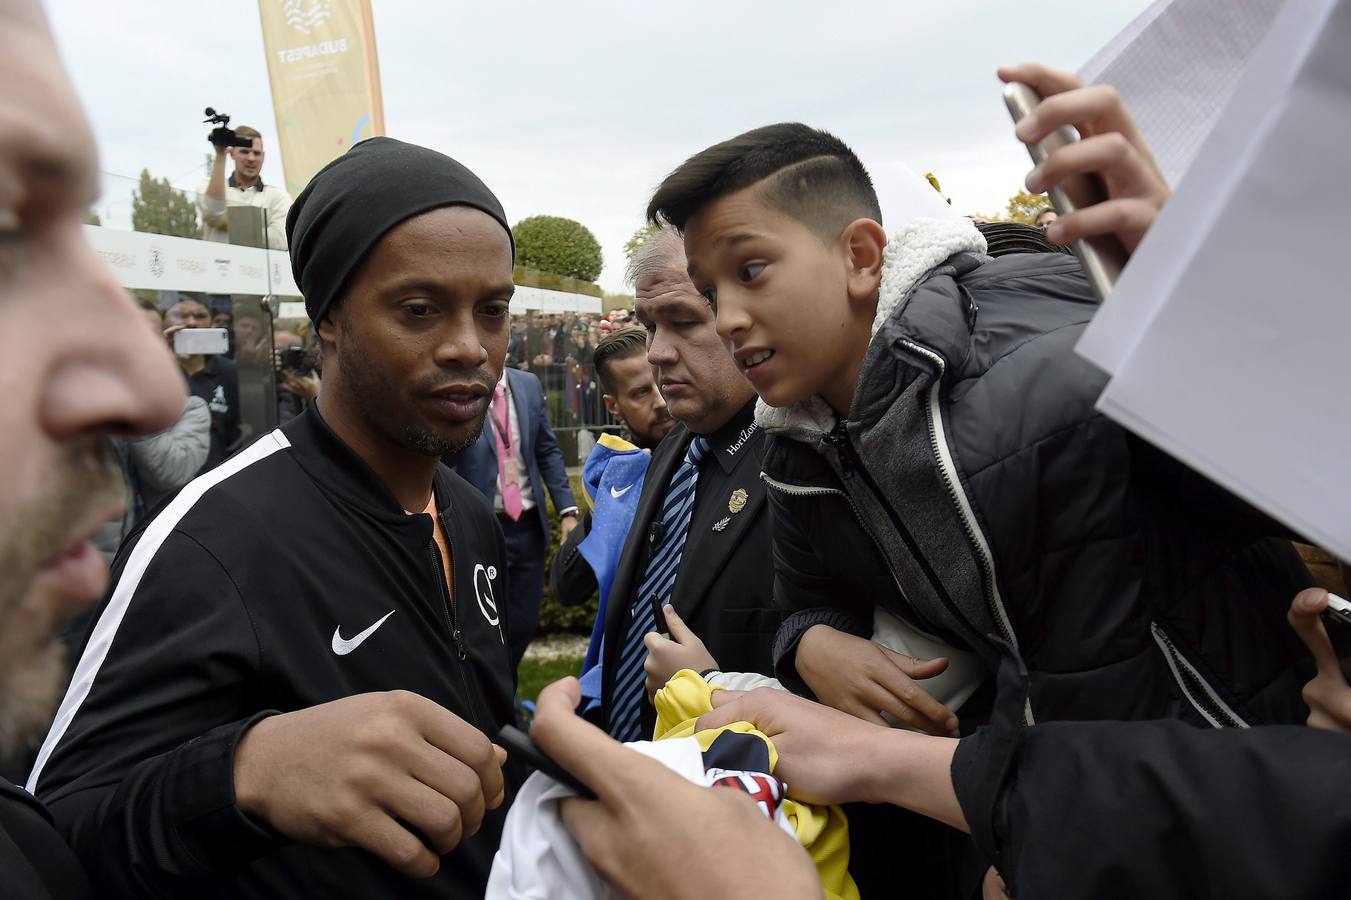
(520, 379)
(1044, 275)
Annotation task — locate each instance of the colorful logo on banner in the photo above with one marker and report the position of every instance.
(325, 78)
(306, 16)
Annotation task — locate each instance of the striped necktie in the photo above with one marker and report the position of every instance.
(668, 535)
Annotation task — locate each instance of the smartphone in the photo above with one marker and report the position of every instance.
(659, 614)
(520, 747)
(1338, 613)
(1103, 257)
(201, 341)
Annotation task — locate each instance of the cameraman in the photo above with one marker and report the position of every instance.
(244, 187)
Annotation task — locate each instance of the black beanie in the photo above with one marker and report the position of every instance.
(353, 201)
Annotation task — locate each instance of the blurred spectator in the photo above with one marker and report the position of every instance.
(297, 377)
(518, 346)
(223, 318)
(1003, 238)
(633, 398)
(1045, 216)
(156, 465)
(212, 378)
(631, 393)
(244, 187)
(514, 461)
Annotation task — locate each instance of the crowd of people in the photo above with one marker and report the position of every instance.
(887, 606)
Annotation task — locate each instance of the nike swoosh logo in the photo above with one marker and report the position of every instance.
(342, 646)
(617, 494)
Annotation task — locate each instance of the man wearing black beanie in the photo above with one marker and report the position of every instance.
(291, 687)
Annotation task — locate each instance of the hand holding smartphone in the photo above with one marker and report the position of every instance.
(521, 747)
(1103, 256)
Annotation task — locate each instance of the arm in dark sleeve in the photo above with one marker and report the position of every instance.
(1158, 809)
(806, 594)
(550, 459)
(141, 777)
(571, 576)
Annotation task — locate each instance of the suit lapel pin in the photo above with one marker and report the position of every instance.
(737, 502)
(721, 524)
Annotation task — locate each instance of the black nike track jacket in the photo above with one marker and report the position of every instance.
(249, 594)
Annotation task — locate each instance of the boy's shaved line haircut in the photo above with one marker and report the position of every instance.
(619, 344)
(803, 172)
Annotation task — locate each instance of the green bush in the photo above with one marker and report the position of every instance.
(558, 245)
(554, 617)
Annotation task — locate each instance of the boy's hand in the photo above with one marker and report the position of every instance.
(645, 848)
(1328, 695)
(1111, 147)
(865, 679)
(826, 756)
(665, 657)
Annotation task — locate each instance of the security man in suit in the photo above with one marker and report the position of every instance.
(515, 459)
(700, 538)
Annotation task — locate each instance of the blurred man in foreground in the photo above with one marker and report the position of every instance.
(65, 392)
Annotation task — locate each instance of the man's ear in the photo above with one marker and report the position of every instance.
(328, 329)
(612, 407)
(863, 241)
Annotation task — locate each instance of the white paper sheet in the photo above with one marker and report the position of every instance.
(1176, 66)
(1168, 248)
(1243, 373)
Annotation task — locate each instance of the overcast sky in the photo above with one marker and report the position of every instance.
(578, 109)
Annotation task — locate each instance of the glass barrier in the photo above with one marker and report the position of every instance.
(150, 232)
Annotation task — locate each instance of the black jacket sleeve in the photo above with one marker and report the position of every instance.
(1156, 809)
(571, 576)
(806, 594)
(141, 779)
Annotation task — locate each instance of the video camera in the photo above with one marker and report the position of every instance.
(223, 136)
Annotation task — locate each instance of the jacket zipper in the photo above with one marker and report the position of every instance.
(448, 604)
(947, 468)
(793, 490)
(851, 464)
(1194, 685)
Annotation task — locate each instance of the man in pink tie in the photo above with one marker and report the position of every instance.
(514, 462)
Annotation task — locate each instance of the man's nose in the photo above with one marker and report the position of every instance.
(116, 376)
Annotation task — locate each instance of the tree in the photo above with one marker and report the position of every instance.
(156, 208)
(639, 238)
(558, 245)
(1023, 208)
(616, 301)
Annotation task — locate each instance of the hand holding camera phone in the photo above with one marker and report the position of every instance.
(1086, 132)
(201, 341)
(1104, 256)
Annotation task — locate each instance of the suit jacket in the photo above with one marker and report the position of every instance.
(543, 460)
(724, 588)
